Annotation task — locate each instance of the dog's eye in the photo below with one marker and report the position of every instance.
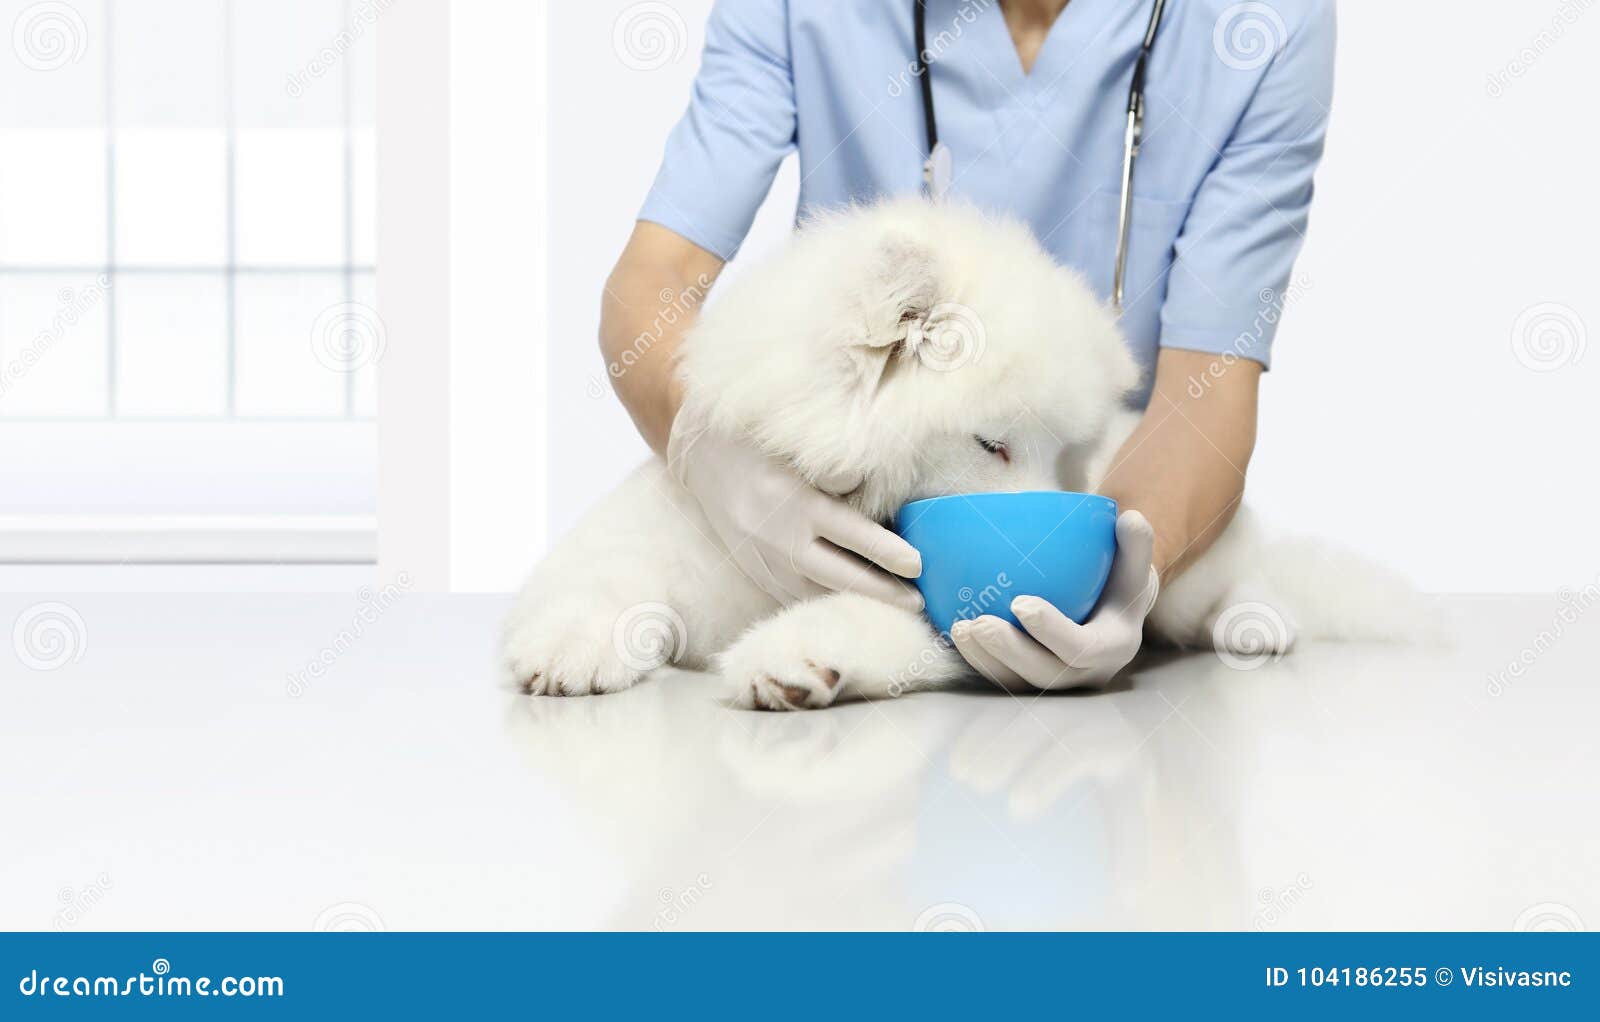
(994, 447)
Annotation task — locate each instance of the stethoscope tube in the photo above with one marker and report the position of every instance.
(1133, 133)
(924, 77)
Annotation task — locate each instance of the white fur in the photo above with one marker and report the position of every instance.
(869, 355)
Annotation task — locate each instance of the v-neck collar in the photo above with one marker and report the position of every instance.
(1017, 95)
(1048, 63)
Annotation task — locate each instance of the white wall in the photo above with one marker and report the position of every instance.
(608, 123)
(461, 411)
(497, 313)
(1398, 415)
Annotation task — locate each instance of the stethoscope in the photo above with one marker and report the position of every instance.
(937, 168)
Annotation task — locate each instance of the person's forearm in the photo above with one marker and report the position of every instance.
(652, 296)
(1184, 466)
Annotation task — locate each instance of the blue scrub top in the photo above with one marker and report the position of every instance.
(1237, 100)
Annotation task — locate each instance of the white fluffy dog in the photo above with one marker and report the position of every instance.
(896, 347)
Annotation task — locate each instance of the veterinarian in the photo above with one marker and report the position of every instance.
(1032, 103)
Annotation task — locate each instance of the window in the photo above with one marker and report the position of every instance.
(188, 324)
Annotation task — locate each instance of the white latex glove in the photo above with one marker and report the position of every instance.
(1061, 652)
(787, 536)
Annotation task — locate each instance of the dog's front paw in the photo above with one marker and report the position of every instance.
(773, 668)
(788, 662)
(585, 654)
(806, 685)
(546, 663)
(837, 647)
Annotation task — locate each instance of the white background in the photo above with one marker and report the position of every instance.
(608, 123)
(1397, 417)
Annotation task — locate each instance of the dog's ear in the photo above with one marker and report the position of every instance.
(905, 282)
(896, 291)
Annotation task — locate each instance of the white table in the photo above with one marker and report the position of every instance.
(169, 779)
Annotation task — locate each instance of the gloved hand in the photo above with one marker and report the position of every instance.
(1067, 654)
(783, 533)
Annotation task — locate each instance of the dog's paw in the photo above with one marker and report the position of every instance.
(832, 649)
(806, 685)
(552, 660)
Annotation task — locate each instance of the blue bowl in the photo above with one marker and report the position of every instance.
(980, 551)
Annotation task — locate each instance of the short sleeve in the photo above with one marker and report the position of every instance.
(721, 158)
(1235, 254)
